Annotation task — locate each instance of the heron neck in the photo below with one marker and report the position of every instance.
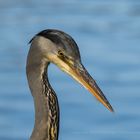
(45, 101)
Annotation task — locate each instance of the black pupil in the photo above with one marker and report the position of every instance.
(60, 53)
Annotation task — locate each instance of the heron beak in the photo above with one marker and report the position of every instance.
(80, 74)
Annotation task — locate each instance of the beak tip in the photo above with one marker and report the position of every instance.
(110, 108)
(83, 77)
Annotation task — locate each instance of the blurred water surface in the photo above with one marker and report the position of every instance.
(108, 35)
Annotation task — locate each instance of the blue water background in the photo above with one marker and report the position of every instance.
(108, 35)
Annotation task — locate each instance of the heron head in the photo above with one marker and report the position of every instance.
(60, 48)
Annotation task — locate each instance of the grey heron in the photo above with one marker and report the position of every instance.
(54, 46)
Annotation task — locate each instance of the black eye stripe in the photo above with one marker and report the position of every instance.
(62, 40)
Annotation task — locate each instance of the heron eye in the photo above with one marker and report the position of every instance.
(60, 53)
